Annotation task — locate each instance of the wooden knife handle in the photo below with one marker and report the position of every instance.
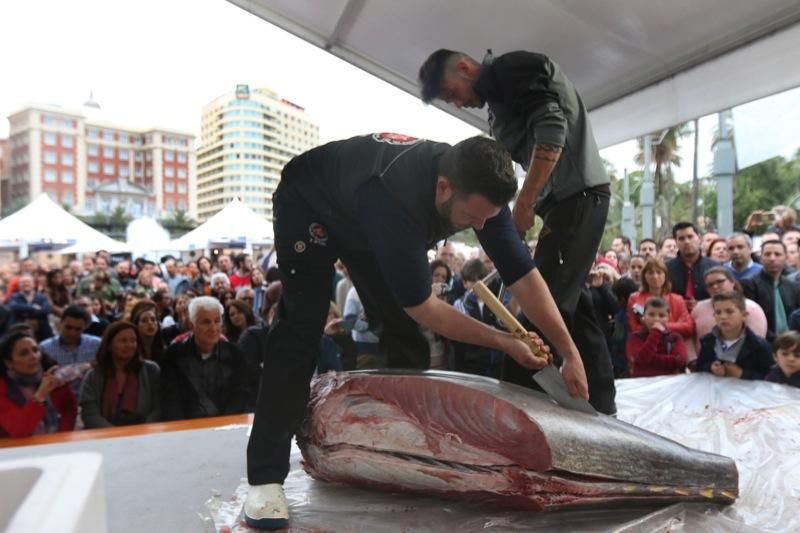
(507, 318)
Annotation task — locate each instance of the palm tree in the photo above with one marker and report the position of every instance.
(664, 155)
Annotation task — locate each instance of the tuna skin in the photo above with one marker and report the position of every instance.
(466, 437)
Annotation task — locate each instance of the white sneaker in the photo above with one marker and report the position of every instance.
(266, 507)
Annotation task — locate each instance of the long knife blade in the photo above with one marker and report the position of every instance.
(548, 378)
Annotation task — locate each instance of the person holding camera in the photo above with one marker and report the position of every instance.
(33, 400)
(122, 388)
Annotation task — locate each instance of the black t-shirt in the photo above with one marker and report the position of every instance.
(400, 246)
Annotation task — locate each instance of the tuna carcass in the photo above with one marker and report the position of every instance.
(467, 437)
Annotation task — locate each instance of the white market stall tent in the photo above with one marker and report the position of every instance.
(44, 222)
(236, 226)
(639, 66)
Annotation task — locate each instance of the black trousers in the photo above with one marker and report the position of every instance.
(567, 248)
(306, 250)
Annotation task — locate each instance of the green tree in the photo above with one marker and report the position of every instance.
(178, 224)
(664, 155)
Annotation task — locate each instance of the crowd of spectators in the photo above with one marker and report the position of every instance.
(97, 345)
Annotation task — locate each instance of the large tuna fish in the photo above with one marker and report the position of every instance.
(461, 436)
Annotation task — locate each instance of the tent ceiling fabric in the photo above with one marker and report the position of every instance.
(611, 49)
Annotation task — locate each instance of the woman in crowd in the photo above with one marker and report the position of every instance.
(145, 317)
(144, 282)
(122, 388)
(238, 317)
(202, 282)
(57, 292)
(180, 317)
(655, 282)
(719, 280)
(258, 285)
(441, 276)
(718, 251)
(637, 265)
(33, 399)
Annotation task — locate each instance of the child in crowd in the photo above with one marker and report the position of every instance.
(622, 289)
(654, 350)
(468, 358)
(732, 349)
(787, 357)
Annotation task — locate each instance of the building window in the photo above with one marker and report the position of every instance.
(182, 188)
(182, 173)
(148, 156)
(67, 123)
(108, 169)
(108, 152)
(123, 138)
(92, 149)
(50, 139)
(49, 120)
(92, 167)
(50, 175)
(67, 176)
(67, 141)
(181, 157)
(108, 135)
(138, 172)
(169, 155)
(66, 198)
(92, 133)
(169, 172)
(67, 159)
(149, 172)
(169, 186)
(123, 154)
(138, 156)
(50, 157)
(124, 172)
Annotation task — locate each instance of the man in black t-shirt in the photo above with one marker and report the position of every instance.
(379, 202)
(538, 115)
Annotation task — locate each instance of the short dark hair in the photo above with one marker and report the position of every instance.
(625, 240)
(789, 340)
(623, 288)
(657, 302)
(647, 239)
(76, 311)
(473, 270)
(724, 271)
(773, 241)
(736, 297)
(683, 225)
(480, 165)
(239, 260)
(431, 73)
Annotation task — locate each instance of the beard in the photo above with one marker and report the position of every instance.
(445, 218)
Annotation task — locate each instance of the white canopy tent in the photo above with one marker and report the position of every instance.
(235, 226)
(640, 66)
(45, 222)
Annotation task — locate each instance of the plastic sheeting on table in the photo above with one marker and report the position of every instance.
(754, 422)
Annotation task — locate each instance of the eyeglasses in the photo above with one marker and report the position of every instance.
(715, 283)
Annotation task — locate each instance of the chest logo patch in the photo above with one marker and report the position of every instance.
(397, 139)
(318, 233)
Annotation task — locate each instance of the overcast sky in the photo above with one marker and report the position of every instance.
(157, 62)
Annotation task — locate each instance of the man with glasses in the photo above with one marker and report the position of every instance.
(718, 280)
